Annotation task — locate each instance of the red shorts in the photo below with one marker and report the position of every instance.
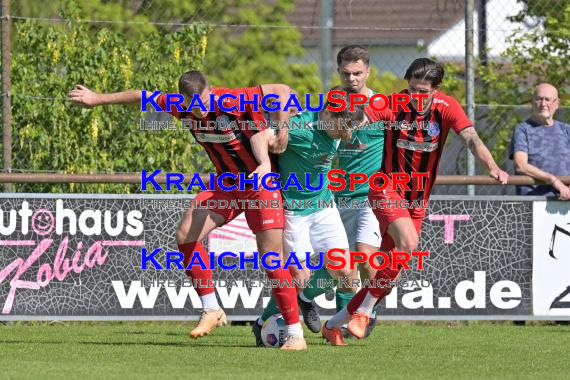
(391, 200)
(258, 217)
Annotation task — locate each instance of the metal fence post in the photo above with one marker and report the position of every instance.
(326, 24)
(470, 80)
(6, 87)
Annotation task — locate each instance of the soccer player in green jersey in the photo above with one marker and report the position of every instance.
(312, 223)
(361, 154)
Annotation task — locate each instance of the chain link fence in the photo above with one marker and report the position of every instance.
(249, 42)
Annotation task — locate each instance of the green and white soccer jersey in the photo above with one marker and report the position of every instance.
(308, 151)
(362, 154)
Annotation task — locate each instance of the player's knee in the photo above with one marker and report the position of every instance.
(183, 228)
(409, 243)
(270, 246)
(270, 241)
(343, 272)
(301, 274)
(181, 235)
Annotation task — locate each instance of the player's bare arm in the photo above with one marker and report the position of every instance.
(294, 110)
(278, 142)
(260, 148)
(83, 96)
(282, 91)
(472, 141)
(278, 139)
(523, 167)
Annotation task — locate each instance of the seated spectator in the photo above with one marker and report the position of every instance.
(541, 146)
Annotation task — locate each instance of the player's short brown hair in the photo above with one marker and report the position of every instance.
(355, 116)
(192, 82)
(426, 69)
(353, 53)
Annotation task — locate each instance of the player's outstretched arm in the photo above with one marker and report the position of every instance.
(523, 167)
(85, 97)
(471, 140)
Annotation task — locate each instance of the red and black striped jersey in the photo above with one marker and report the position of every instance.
(226, 135)
(418, 150)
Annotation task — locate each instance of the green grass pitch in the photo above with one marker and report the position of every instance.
(153, 350)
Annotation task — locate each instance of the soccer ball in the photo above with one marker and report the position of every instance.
(273, 331)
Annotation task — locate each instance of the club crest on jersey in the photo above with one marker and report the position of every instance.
(223, 122)
(433, 129)
(356, 144)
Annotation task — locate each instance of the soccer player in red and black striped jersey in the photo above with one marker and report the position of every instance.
(244, 149)
(412, 150)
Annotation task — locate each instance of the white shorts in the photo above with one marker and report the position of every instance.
(361, 226)
(316, 232)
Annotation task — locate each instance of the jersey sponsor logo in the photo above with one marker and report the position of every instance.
(414, 145)
(216, 139)
(434, 129)
(327, 159)
(322, 161)
(347, 153)
(440, 101)
(267, 221)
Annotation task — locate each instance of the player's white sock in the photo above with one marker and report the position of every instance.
(209, 301)
(374, 310)
(295, 329)
(339, 319)
(367, 304)
(303, 298)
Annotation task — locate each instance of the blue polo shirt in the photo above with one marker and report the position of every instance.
(548, 149)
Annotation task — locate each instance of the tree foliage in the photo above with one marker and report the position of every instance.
(58, 136)
(532, 58)
(247, 56)
(50, 58)
(240, 52)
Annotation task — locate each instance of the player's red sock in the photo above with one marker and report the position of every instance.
(357, 300)
(285, 296)
(385, 276)
(202, 276)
